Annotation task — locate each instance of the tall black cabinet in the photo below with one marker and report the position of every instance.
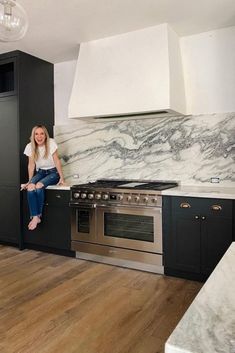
(26, 99)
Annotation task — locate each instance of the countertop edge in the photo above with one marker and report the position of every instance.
(201, 191)
(58, 187)
(169, 348)
(187, 191)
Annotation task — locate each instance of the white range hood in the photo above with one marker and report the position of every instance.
(132, 75)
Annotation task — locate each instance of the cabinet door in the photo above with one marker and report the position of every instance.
(7, 77)
(181, 236)
(56, 227)
(216, 233)
(9, 151)
(9, 214)
(54, 230)
(186, 242)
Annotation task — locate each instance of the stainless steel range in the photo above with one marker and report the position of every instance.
(119, 222)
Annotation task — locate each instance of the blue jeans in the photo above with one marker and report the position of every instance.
(36, 197)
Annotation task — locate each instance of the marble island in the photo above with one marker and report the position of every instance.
(208, 326)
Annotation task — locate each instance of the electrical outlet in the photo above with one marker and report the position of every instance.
(215, 180)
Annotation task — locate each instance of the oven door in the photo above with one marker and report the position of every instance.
(83, 223)
(130, 227)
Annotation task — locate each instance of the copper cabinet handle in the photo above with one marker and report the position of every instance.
(185, 205)
(216, 208)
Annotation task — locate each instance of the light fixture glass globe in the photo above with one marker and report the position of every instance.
(13, 21)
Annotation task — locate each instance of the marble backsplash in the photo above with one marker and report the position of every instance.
(190, 149)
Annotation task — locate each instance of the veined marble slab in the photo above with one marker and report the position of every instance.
(202, 191)
(192, 149)
(208, 326)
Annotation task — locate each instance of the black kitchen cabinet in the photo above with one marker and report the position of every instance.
(9, 215)
(53, 234)
(7, 76)
(26, 99)
(196, 234)
(9, 153)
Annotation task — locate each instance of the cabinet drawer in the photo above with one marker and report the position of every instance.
(202, 206)
(218, 207)
(57, 197)
(187, 205)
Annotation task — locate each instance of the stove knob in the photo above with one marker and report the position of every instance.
(119, 197)
(128, 198)
(83, 196)
(154, 200)
(90, 196)
(137, 198)
(105, 196)
(145, 199)
(98, 196)
(76, 195)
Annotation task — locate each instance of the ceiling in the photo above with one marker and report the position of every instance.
(56, 27)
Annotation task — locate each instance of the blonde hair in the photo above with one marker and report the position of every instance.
(34, 145)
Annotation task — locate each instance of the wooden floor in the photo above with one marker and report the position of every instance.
(54, 304)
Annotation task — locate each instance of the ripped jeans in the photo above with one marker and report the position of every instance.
(36, 197)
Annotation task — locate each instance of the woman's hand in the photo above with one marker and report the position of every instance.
(58, 167)
(61, 182)
(24, 186)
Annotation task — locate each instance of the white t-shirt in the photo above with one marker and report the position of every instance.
(41, 162)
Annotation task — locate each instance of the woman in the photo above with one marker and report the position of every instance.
(42, 154)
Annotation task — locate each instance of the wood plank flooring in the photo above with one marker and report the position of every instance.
(54, 304)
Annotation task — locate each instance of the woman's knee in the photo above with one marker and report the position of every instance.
(31, 187)
(39, 185)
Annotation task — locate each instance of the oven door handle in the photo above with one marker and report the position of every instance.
(159, 209)
(78, 205)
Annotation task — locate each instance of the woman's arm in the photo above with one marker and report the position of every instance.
(31, 168)
(58, 167)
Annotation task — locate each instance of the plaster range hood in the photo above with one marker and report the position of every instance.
(129, 76)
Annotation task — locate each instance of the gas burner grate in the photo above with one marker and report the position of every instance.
(123, 184)
(102, 184)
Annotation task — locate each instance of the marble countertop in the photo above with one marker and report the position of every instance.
(208, 326)
(202, 191)
(59, 187)
(184, 190)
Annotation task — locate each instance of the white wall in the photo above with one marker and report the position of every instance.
(209, 71)
(63, 82)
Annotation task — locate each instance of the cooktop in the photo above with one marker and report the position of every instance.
(127, 184)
